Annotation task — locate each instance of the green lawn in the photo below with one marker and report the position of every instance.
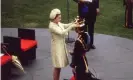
(35, 13)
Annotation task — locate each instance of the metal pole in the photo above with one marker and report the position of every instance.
(68, 10)
(68, 16)
(69, 40)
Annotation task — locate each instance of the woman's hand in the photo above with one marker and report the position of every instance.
(76, 19)
(75, 24)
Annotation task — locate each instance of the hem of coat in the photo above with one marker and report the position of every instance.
(60, 66)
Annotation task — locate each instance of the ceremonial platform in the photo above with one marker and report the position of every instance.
(112, 59)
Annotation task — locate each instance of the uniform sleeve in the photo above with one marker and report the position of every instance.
(78, 52)
(75, 53)
(73, 63)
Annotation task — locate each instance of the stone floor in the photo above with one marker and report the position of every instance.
(112, 59)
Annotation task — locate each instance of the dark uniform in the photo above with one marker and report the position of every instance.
(90, 16)
(79, 61)
(128, 13)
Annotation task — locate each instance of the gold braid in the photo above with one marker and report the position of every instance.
(85, 48)
(82, 42)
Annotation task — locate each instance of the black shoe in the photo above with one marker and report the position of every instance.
(88, 49)
(93, 47)
(92, 77)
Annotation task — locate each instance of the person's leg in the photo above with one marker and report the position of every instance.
(56, 73)
(91, 33)
(130, 16)
(126, 18)
(80, 74)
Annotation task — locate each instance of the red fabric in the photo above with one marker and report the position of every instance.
(72, 78)
(5, 59)
(27, 44)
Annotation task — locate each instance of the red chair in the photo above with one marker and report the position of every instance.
(5, 63)
(24, 46)
(5, 67)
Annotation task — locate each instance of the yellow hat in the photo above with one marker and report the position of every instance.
(54, 12)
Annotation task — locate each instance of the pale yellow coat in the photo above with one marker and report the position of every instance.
(58, 46)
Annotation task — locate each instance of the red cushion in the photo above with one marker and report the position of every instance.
(5, 59)
(27, 44)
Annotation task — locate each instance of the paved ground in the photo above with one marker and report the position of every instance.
(112, 60)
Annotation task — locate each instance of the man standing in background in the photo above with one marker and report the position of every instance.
(89, 9)
(128, 13)
(91, 19)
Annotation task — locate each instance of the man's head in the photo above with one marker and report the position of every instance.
(79, 29)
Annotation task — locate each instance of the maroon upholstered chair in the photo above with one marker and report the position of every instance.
(24, 46)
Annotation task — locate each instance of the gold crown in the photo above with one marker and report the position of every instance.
(79, 20)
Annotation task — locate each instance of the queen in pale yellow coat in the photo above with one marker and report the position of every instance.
(58, 47)
(58, 33)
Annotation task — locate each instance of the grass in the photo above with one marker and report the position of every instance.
(35, 13)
